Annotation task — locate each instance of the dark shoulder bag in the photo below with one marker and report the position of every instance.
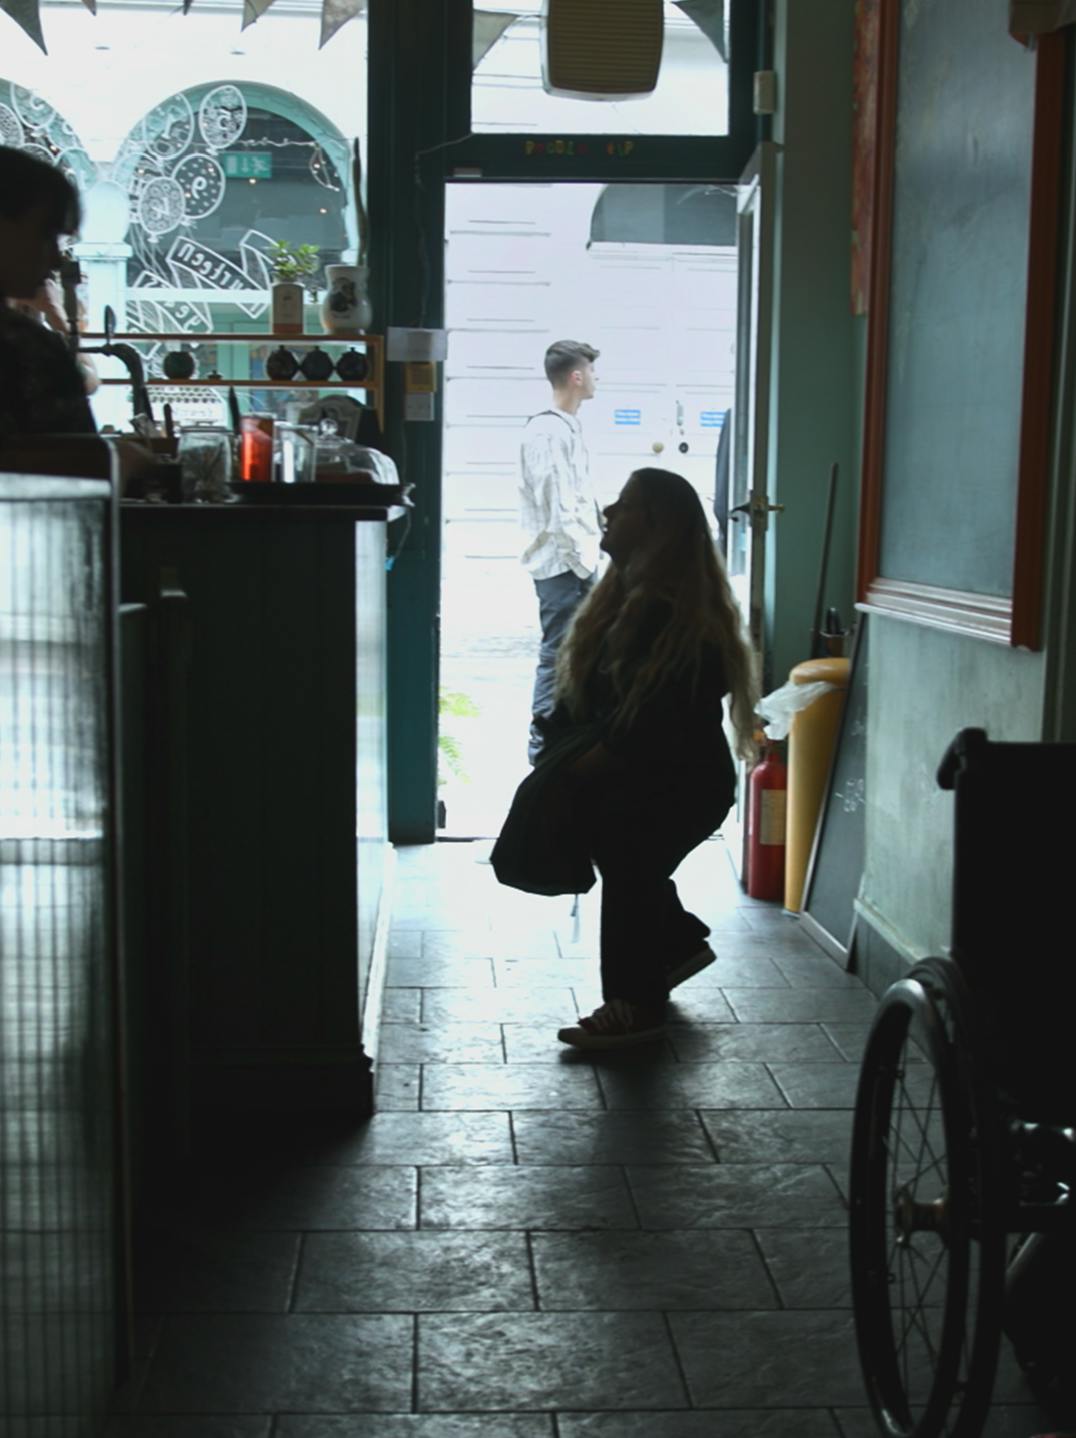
(544, 843)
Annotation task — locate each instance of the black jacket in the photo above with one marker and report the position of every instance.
(676, 736)
(41, 388)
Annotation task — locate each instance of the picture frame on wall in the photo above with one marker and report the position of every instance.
(963, 279)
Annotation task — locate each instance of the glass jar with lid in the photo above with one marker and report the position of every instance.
(205, 463)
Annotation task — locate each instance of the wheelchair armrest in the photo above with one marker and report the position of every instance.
(967, 745)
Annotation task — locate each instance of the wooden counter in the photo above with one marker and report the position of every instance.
(269, 731)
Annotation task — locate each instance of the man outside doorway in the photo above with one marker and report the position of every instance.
(559, 513)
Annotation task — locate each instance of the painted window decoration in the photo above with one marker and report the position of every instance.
(29, 122)
(212, 180)
(196, 142)
(691, 96)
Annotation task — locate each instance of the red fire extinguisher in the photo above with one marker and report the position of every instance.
(767, 792)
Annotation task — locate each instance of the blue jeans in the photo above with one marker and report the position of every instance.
(558, 599)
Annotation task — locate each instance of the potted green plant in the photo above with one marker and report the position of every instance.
(451, 705)
(293, 268)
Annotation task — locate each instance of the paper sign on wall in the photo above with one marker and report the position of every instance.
(409, 344)
(419, 407)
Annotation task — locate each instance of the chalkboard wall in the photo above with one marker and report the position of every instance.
(961, 209)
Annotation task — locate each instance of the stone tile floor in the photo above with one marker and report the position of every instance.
(525, 1242)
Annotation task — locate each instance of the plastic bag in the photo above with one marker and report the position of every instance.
(778, 708)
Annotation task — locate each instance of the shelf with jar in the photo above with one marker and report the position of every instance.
(336, 361)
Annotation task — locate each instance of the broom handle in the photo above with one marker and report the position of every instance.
(816, 632)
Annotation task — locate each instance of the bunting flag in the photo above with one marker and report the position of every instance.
(710, 17)
(489, 26)
(26, 15)
(334, 14)
(251, 10)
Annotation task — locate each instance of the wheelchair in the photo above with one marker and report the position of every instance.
(962, 1225)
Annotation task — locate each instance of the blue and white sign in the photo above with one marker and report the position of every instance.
(712, 418)
(627, 416)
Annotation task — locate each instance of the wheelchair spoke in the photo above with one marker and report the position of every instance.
(924, 1139)
(914, 1318)
(924, 1144)
(920, 1174)
(906, 1143)
(921, 1296)
(915, 1321)
(923, 1259)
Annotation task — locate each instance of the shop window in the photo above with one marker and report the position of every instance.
(195, 144)
(29, 122)
(212, 181)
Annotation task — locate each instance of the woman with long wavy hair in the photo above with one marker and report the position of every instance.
(650, 658)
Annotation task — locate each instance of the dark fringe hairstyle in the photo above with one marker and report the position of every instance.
(26, 181)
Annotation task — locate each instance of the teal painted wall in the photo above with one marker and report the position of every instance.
(814, 383)
(925, 685)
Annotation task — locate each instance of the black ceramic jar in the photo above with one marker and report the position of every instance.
(179, 364)
(352, 366)
(316, 365)
(281, 364)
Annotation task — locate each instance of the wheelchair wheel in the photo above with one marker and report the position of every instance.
(926, 1231)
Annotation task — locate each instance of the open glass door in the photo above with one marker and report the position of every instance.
(748, 504)
(647, 274)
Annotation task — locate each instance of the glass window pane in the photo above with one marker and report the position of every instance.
(195, 144)
(691, 97)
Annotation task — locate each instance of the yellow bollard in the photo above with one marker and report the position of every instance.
(811, 737)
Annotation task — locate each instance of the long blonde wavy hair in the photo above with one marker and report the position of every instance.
(679, 567)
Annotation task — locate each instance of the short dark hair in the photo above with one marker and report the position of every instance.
(26, 181)
(564, 356)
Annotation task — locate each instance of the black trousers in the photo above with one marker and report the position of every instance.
(638, 843)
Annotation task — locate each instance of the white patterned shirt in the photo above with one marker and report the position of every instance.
(558, 512)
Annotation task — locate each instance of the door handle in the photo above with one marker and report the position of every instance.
(758, 509)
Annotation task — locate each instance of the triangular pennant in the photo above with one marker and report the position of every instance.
(487, 29)
(335, 13)
(26, 14)
(252, 9)
(710, 17)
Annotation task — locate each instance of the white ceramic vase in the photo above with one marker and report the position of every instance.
(346, 306)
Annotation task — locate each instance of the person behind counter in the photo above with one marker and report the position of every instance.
(47, 307)
(42, 389)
